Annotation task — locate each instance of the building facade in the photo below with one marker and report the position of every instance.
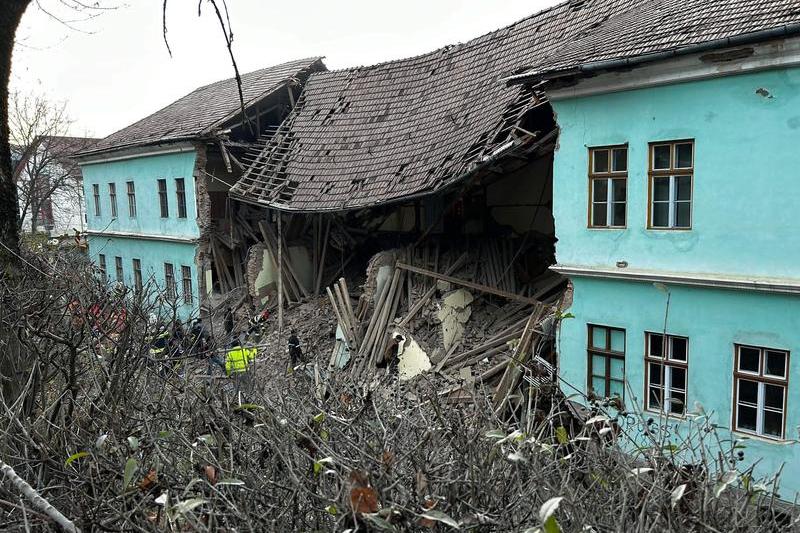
(156, 191)
(675, 186)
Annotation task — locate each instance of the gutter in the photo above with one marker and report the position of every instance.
(787, 30)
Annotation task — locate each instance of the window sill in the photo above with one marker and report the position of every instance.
(607, 228)
(666, 415)
(762, 438)
(651, 228)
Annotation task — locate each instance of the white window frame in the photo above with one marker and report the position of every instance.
(762, 379)
(667, 364)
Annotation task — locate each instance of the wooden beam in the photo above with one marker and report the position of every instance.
(469, 284)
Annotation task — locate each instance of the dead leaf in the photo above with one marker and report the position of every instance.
(211, 474)
(428, 504)
(422, 484)
(387, 459)
(364, 500)
(149, 480)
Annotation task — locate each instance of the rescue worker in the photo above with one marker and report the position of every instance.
(238, 361)
(159, 349)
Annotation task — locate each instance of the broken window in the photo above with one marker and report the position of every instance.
(606, 349)
(667, 367)
(120, 271)
(180, 191)
(671, 174)
(760, 383)
(112, 196)
(137, 275)
(96, 194)
(169, 280)
(608, 177)
(188, 294)
(131, 199)
(101, 263)
(162, 198)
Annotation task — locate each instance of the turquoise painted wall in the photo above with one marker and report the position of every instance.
(713, 320)
(746, 185)
(144, 172)
(153, 255)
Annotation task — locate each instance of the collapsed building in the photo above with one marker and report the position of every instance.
(414, 192)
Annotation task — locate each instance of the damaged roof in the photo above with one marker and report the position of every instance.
(205, 108)
(653, 28)
(369, 135)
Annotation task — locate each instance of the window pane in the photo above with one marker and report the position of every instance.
(618, 190)
(599, 386)
(677, 402)
(618, 215)
(661, 215)
(748, 391)
(775, 364)
(620, 162)
(598, 337)
(683, 155)
(598, 365)
(746, 418)
(599, 214)
(773, 396)
(600, 190)
(773, 424)
(617, 340)
(678, 348)
(661, 156)
(600, 158)
(683, 214)
(654, 374)
(617, 368)
(678, 376)
(617, 389)
(748, 359)
(654, 343)
(661, 189)
(683, 187)
(654, 398)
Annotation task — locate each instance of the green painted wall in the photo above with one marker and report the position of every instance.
(746, 185)
(714, 320)
(153, 255)
(145, 173)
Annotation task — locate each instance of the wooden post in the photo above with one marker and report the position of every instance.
(280, 278)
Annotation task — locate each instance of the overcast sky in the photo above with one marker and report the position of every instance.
(114, 68)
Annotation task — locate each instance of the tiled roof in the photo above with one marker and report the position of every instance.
(199, 111)
(369, 135)
(374, 134)
(657, 26)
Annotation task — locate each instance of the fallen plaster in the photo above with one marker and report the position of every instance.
(412, 359)
(341, 353)
(379, 272)
(453, 314)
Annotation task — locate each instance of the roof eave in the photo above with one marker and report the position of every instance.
(89, 156)
(787, 30)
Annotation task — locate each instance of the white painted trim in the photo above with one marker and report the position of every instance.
(142, 236)
(145, 153)
(721, 281)
(783, 53)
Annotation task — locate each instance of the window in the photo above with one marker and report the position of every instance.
(606, 348)
(667, 368)
(96, 194)
(169, 280)
(120, 272)
(137, 275)
(101, 259)
(180, 190)
(608, 177)
(131, 199)
(186, 274)
(760, 385)
(112, 196)
(162, 198)
(671, 174)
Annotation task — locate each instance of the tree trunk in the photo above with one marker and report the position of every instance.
(10, 15)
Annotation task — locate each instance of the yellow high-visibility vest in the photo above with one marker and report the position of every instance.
(239, 358)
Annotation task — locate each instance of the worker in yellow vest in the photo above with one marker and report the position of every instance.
(239, 358)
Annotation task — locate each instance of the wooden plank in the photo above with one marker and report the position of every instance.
(321, 268)
(469, 284)
(430, 292)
